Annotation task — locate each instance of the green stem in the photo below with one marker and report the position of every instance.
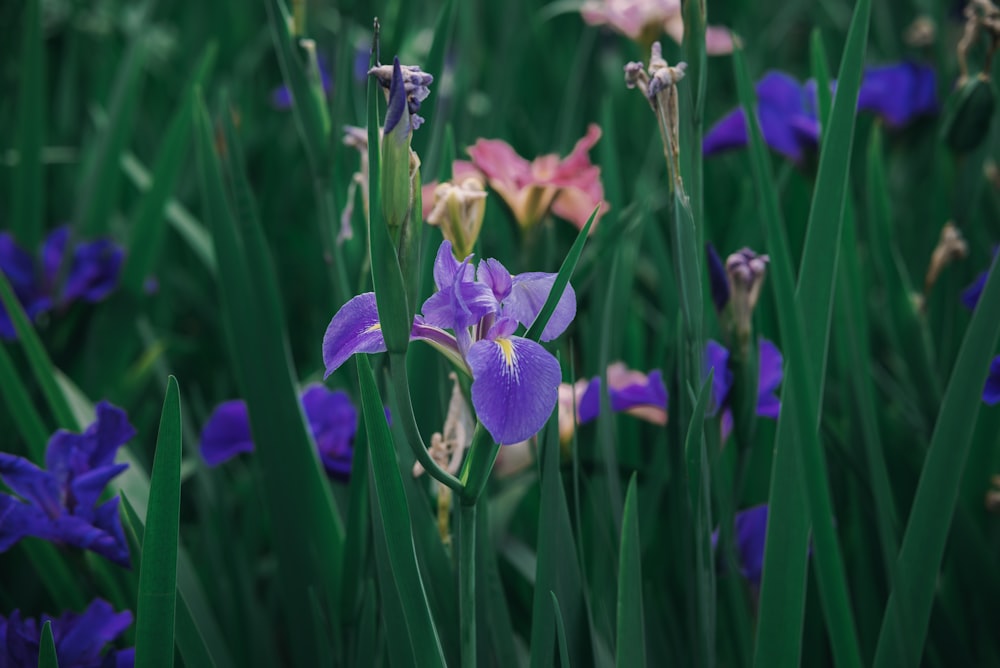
(333, 259)
(401, 384)
(478, 464)
(467, 581)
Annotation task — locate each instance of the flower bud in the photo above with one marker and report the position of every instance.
(746, 270)
(970, 114)
(458, 211)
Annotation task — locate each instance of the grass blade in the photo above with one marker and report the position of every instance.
(21, 408)
(908, 612)
(38, 359)
(307, 533)
(631, 644)
(391, 523)
(157, 598)
(148, 222)
(560, 631)
(47, 648)
(28, 193)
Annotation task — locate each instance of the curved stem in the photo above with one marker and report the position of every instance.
(401, 384)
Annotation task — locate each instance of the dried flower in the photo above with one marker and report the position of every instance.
(458, 211)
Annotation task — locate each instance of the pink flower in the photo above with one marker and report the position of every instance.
(642, 21)
(571, 188)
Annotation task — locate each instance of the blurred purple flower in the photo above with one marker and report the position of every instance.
(281, 97)
(91, 276)
(750, 527)
(78, 638)
(514, 380)
(899, 93)
(768, 379)
(60, 502)
(971, 294)
(332, 418)
(991, 391)
(630, 392)
(718, 279)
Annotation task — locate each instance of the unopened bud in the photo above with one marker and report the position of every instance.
(459, 211)
(967, 122)
(746, 270)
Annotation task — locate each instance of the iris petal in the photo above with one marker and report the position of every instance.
(527, 297)
(991, 391)
(333, 421)
(354, 329)
(751, 530)
(769, 378)
(226, 433)
(515, 386)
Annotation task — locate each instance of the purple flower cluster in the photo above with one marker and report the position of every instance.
(786, 109)
(332, 419)
(91, 274)
(60, 504)
(78, 638)
(515, 380)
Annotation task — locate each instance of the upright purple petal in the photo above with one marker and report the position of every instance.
(83, 636)
(53, 253)
(589, 401)
(751, 531)
(991, 391)
(514, 388)
(717, 357)
(461, 301)
(768, 380)
(397, 100)
(94, 272)
(784, 122)
(899, 92)
(333, 421)
(354, 329)
(528, 295)
(226, 433)
(86, 489)
(495, 275)
(718, 279)
(446, 266)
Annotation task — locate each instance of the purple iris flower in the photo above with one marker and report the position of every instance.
(78, 638)
(515, 380)
(281, 97)
(629, 392)
(59, 504)
(332, 418)
(786, 109)
(768, 379)
(91, 275)
(971, 294)
(750, 531)
(991, 391)
(718, 279)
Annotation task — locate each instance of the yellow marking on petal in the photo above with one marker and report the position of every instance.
(374, 328)
(508, 351)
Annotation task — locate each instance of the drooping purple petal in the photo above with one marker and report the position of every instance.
(971, 294)
(650, 394)
(899, 92)
(729, 132)
(751, 531)
(717, 357)
(768, 380)
(528, 294)
(354, 329)
(333, 421)
(589, 402)
(991, 391)
(717, 277)
(515, 386)
(31, 483)
(15, 520)
(226, 433)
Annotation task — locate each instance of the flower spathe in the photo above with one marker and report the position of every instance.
(332, 418)
(79, 638)
(91, 275)
(471, 319)
(571, 188)
(59, 504)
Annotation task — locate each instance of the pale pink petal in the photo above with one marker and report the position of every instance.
(576, 205)
(427, 198)
(674, 27)
(579, 158)
(718, 41)
(499, 162)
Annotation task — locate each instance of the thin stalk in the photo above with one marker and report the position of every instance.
(401, 385)
(467, 581)
(333, 259)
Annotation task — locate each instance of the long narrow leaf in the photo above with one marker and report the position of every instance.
(392, 527)
(28, 193)
(47, 648)
(158, 573)
(631, 644)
